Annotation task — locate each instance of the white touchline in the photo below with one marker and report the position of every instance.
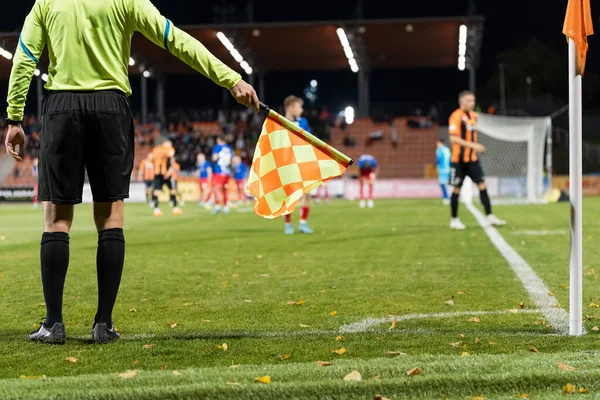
(365, 325)
(538, 292)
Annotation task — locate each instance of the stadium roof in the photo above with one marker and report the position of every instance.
(394, 43)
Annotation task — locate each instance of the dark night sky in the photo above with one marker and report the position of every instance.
(508, 24)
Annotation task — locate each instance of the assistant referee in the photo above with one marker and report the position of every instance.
(87, 125)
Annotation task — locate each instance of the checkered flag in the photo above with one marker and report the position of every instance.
(288, 163)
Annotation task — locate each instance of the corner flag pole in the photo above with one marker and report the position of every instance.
(575, 194)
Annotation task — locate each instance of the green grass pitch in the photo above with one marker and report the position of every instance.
(196, 282)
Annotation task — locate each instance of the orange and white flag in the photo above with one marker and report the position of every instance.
(288, 163)
(578, 26)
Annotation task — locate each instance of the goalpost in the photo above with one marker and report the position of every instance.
(514, 162)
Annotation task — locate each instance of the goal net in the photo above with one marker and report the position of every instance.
(514, 162)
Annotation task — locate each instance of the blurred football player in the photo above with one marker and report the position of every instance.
(367, 173)
(442, 155)
(161, 156)
(146, 174)
(171, 178)
(221, 168)
(240, 171)
(204, 170)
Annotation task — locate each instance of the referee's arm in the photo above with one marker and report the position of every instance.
(146, 19)
(31, 45)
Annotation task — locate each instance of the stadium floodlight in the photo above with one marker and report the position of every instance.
(347, 49)
(6, 54)
(131, 62)
(237, 56)
(147, 74)
(45, 77)
(462, 47)
(37, 72)
(349, 115)
(314, 83)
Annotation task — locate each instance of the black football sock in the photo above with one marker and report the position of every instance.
(109, 266)
(454, 205)
(155, 200)
(174, 200)
(54, 257)
(485, 200)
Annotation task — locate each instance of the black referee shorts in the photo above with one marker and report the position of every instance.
(81, 131)
(458, 172)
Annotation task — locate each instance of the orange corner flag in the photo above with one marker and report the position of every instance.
(288, 163)
(578, 26)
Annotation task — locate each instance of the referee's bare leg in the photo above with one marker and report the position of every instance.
(109, 264)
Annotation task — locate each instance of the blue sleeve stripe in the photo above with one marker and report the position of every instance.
(26, 51)
(167, 31)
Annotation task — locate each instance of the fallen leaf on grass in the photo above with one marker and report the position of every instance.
(304, 326)
(173, 325)
(582, 390)
(492, 343)
(149, 346)
(163, 367)
(223, 346)
(176, 373)
(534, 350)
(477, 398)
(460, 335)
(323, 363)
(595, 328)
(551, 294)
(248, 301)
(188, 304)
(206, 321)
(282, 357)
(564, 285)
(523, 396)
(225, 283)
(521, 305)
(353, 376)
(136, 362)
(569, 388)
(455, 344)
(379, 397)
(132, 309)
(464, 292)
(144, 300)
(263, 379)
(394, 353)
(566, 367)
(464, 354)
(449, 303)
(589, 317)
(32, 377)
(235, 275)
(338, 338)
(1, 276)
(236, 365)
(474, 320)
(128, 374)
(71, 359)
(340, 351)
(259, 256)
(333, 313)
(477, 341)
(393, 324)
(414, 371)
(594, 305)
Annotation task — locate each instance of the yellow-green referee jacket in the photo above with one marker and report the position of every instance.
(89, 44)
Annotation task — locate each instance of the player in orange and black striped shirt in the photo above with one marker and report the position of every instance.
(465, 161)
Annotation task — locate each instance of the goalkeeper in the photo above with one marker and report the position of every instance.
(87, 125)
(465, 161)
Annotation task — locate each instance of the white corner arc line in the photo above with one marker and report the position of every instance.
(535, 287)
(365, 325)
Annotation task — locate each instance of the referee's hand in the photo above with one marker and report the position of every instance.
(15, 136)
(245, 95)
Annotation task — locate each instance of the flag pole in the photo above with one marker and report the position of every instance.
(310, 138)
(575, 194)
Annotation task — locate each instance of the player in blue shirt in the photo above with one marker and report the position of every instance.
(367, 173)
(443, 155)
(294, 107)
(204, 171)
(34, 173)
(240, 171)
(221, 156)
